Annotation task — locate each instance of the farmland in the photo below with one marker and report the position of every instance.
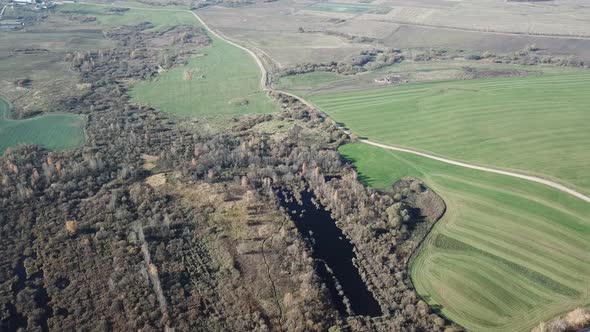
(178, 209)
(506, 255)
(475, 26)
(263, 28)
(316, 83)
(223, 80)
(51, 79)
(52, 131)
(535, 124)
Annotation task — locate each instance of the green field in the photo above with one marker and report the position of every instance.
(316, 83)
(536, 124)
(349, 8)
(308, 81)
(52, 131)
(224, 81)
(506, 255)
(106, 17)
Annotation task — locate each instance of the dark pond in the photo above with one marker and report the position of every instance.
(333, 252)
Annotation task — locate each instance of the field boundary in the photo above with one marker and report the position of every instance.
(496, 32)
(265, 86)
(531, 178)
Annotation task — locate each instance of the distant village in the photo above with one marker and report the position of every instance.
(10, 22)
(34, 4)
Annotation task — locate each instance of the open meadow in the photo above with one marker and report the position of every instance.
(52, 131)
(506, 255)
(536, 124)
(113, 16)
(36, 79)
(37, 54)
(223, 80)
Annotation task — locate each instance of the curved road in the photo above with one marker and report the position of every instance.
(484, 169)
(264, 85)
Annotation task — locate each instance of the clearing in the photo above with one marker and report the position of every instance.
(507, 254)
(536, 124)
(224, 80)
(54, 131)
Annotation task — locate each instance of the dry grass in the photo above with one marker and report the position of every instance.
(579, 318)
(71, 226)
(156, 180)
(52, 81)
(473, 25)
(149, 162)
(575, 320)
(188, 74)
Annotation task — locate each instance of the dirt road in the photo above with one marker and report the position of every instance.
(484, 169)
(265, 85)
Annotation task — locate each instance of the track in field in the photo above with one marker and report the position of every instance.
(536, 124)
(507, 254)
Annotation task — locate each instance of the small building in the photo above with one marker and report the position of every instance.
(23, 2)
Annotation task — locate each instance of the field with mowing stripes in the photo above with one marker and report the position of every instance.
(507, 254)
(52, 131)
(537, 124)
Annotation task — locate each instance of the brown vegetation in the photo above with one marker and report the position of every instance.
(574, 320)
(71, 226)
(208, 248)
(353, 64)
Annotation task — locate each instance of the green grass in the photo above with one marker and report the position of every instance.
(537, 124)
(52, 131)
(308, 81)
(506, 255)
(225, 81)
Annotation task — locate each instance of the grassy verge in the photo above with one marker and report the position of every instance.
(507, 254)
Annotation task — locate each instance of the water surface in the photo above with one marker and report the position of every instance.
(332, 251)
